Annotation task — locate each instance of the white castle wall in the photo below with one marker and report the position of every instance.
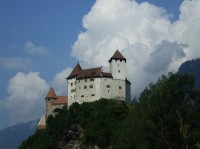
(71, 91)
(117, 68)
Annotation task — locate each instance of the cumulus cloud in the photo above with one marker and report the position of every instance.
(25, 99)
(59, 82)
(35, 50)
(143, 32)
(14, 63)
(164, 54)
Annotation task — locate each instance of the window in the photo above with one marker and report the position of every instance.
(93, 95)
(108, 86)
(105, 79)
(73, 90)
(120, 60)
(71, 84)
(118, 64)
(79, 81)
(91, 86)
(85, 80)
(56, 110)
(119, 71)
(91, 79)
(82, 96)
(74, 96)
(79, 87)
(120, 87)
(85, 87)
(108, 90)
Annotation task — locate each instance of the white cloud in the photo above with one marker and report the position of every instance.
(59, 82)
(140, 31)
(25, 99)
(35, 50)
(14, 63)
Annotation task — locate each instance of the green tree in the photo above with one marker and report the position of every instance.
(166, 116)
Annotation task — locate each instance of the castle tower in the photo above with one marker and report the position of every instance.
(51, 97)
(117, 66)
(71, 84)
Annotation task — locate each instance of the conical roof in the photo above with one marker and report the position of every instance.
(51, 93)
(42, 122)
(118, 56)
(75, 71)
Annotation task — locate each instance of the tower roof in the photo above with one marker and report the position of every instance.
(75, 71)
(117, 56)
(51, 93)
(42, 122)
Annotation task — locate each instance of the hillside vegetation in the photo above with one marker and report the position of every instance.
(166, 116)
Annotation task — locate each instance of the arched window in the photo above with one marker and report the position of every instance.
(56, 110)
(91, 86)
(85, 86)
(82, 96)
(93, 95)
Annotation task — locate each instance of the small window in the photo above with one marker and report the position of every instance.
(108, 86)
(71, 84)
(105, 79)
(93, 95)
(120, 60)
(85, 80)
(82, 96)
(74, 96)
(120, 87)
(79, 81)
(85, 87)
(108, 90)
(91, 86)
(93, 73)
(119, 71)
(91, 79)
(118, 64)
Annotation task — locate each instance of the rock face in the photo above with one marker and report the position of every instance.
(71, 138)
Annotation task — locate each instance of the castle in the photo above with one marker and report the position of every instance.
(87, 85)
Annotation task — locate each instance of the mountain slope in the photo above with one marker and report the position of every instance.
(191, 67)
(11, 137)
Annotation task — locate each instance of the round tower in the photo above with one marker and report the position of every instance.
(117, 66)
(51, 97)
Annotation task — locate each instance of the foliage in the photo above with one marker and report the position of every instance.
(98, 119)
(166, 116)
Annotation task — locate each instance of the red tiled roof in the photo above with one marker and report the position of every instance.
(75, 71)
(60, 100)
(51, 94)
(118, 56)
(90, 73)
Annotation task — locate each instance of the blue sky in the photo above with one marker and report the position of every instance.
(41, 41)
